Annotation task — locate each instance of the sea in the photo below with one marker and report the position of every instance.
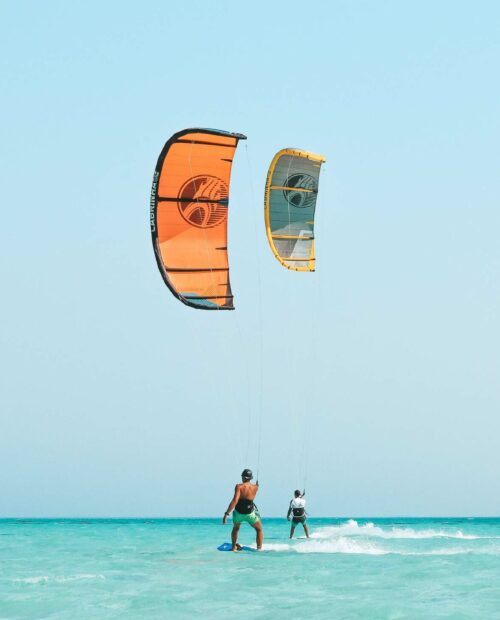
(131, 569)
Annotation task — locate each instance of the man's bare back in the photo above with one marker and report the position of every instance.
(246, 490)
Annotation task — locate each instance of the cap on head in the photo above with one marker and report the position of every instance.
(246, 474)
(296, 493)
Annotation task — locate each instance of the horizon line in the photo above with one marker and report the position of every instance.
(212, 518)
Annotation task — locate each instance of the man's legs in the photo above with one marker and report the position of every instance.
(292, 529)
(306, 529)
(234, 536)
(259, 536)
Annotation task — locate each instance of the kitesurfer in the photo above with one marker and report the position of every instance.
(298, 508)
(244, 510)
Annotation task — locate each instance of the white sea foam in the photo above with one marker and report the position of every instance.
(352, 538)
(277, 547)
(350, 546)
(340, 545)
(78, 577)
(336, 545)
(58, 579)
(352, 528)
(33, 580)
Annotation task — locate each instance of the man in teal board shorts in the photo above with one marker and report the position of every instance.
(245, 511)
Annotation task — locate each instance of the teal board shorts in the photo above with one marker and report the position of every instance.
(251, 518)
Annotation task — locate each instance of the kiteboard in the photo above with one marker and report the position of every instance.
(227, 547)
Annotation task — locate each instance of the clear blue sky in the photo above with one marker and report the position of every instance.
(118, 400)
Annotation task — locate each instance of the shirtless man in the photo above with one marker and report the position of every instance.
(245, 511)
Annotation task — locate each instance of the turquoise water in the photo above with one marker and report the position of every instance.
(131, 569)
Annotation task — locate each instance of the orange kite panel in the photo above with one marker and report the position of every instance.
(189, 210)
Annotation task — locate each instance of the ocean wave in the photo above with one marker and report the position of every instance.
(352, 528)
(358, 547)
(338, 545)
(369, 539)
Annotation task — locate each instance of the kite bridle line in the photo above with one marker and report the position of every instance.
(242, 346)
(312, 365)
(298, 414)
(196, 198)
(297, 411)
(302, 422)
(259, 297)
(317, 292)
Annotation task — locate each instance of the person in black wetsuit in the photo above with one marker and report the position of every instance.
(298, 508)
(244, 510)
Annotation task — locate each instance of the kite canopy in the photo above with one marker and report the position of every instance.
(189, 208)
(290, 203)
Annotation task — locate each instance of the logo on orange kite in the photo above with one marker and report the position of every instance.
(200, 201)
